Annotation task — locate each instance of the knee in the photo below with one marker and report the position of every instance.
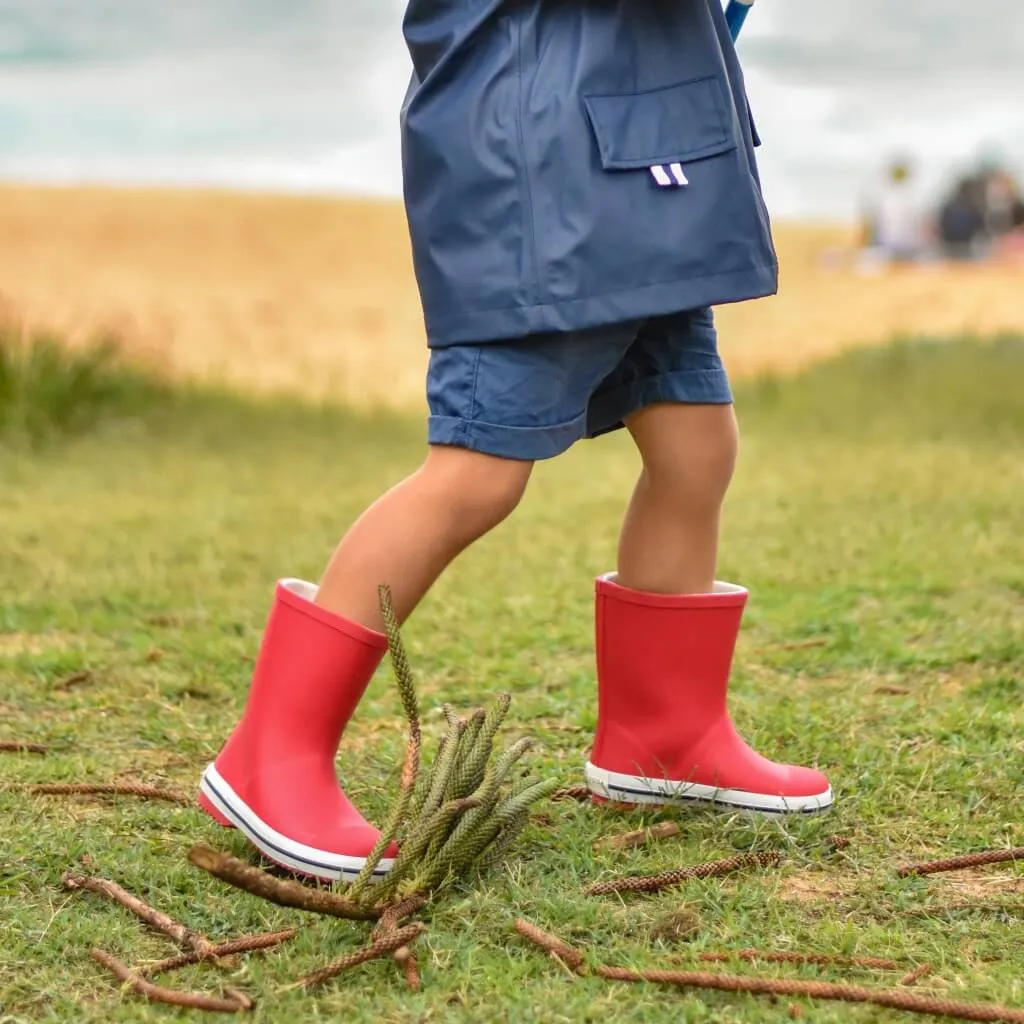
(695, 466)
(480, 491)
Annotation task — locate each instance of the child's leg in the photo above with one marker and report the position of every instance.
(275, 779)
(666, 630)
(669, 541)
(408, 537)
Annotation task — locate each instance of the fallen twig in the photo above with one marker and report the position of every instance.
(969, 860)
(84, 676)
(800, 645)
(17, 747)
(281, 891)
(655, 883)
(820, 959)
(246, 944)
(914, 976)
(406, 959)
(237, 1002)
(631, 840)
(244, 1001)
(390, 921)
(162, 922)
(891, 998)
(580, 793)
(552, 944)
(114, 789)
(381, 947)
(392, 917)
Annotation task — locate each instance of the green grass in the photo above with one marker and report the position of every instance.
(877, 508)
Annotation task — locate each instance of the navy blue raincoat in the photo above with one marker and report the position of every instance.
(529, 134)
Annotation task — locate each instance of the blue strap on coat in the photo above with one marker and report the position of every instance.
(736, 14)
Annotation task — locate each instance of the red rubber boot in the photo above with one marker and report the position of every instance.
(664, 735)
(275, 780)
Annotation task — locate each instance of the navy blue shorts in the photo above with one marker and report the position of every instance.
(533, 398)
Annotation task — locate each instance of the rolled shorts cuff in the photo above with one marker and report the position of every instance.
(525, 443)
(609, 409)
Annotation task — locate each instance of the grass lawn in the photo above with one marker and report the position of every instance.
(877, 514)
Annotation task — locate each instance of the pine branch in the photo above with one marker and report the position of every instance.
(411, 767)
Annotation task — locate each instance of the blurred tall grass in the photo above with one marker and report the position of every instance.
(964, 389)
(50, 389)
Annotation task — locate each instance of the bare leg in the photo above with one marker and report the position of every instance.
(669, 541)
(410, 535)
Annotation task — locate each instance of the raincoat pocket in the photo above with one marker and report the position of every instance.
(679, 124)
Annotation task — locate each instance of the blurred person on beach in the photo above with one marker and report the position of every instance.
(581, 188)
(1001, 201)
(894, 222)
(1004, 213)
(960, 224)
(982, 217)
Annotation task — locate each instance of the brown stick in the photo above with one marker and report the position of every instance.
(754, 955)
(551, 943)
(246, 944)
(631, 840)
(389, 922)
(281, 891)
(157, 994)
(580, 793)
(17, 747)
(73, 680)
(655, 883)
(244, 1001)
(153, 917)
(800, 645)
(970, 860)
(913, 977)
(892, 998)
(406, 959)
(392, 916)
(381, 947)
(118, 789)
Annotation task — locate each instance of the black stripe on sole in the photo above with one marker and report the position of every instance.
(225, 808)
(670, 797)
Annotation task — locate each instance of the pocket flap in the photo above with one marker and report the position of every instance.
(677, 124)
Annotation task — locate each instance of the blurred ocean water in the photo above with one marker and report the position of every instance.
(305, 95)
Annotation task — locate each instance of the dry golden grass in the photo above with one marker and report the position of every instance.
(317, 296)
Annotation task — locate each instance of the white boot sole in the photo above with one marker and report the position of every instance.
(634, 789)
(306, 860)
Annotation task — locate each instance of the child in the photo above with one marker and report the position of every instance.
(581, 188)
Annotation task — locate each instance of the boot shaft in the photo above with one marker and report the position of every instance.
(663, 665)
(311, 672)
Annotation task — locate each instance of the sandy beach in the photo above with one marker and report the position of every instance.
(316, 296)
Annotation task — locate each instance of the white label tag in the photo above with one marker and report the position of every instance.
(672, 177)
(661, 176)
